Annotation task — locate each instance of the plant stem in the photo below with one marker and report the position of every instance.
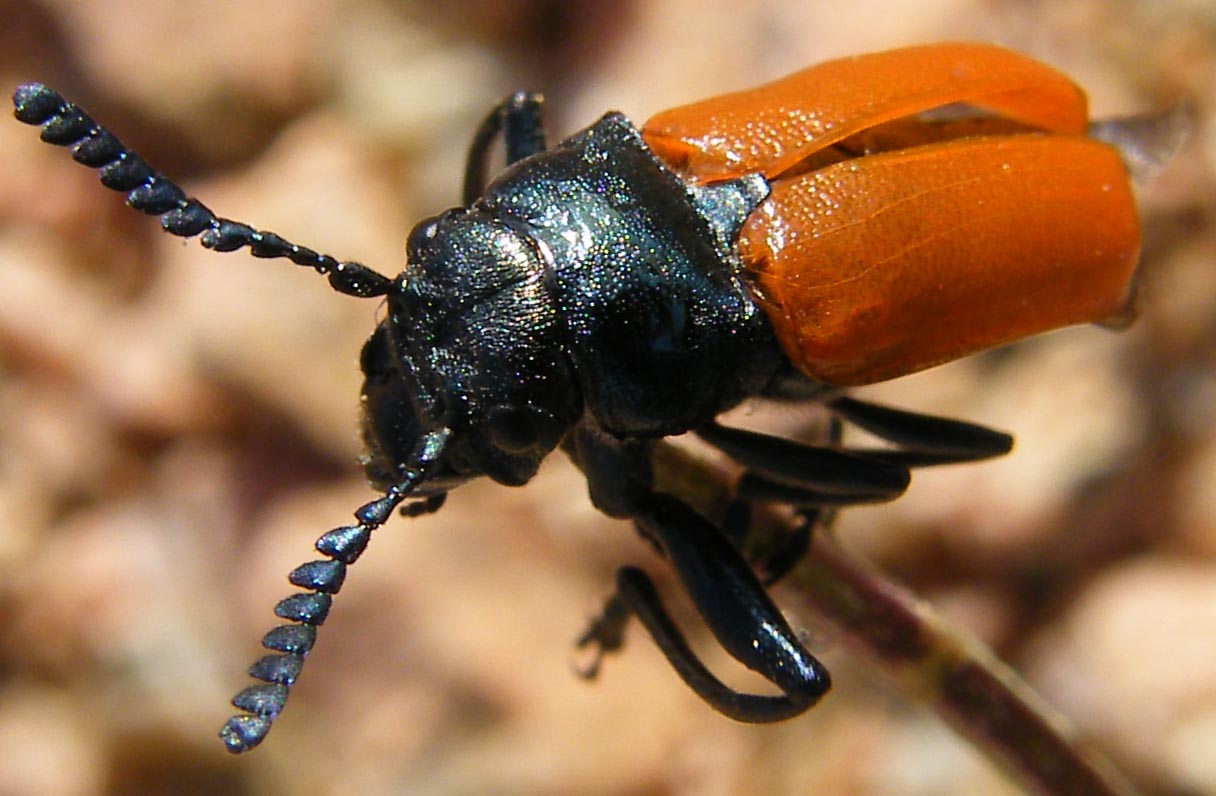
(901, 636)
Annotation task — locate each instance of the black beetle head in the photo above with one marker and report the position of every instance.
(471, 343)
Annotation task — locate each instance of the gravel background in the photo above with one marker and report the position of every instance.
(176, 427)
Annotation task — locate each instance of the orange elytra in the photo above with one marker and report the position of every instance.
(927, 203)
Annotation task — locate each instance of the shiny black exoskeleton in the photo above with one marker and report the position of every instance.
(587, 298)
(586, 284)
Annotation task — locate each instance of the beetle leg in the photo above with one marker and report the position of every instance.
(606, 631)
(795, 547)
(724, 589)
(606, 634)
(809, 478)
(619, 472)
(737, 520)
(812, 515)
(923, 439)
(736, 609)
(776, 562)
(804, 490)
(520, 120)
(149, 191)
(860, 477)
(801, 492)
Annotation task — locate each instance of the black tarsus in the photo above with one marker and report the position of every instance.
(606, 634)
(65, 124)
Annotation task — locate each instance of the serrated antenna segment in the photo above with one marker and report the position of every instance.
(306, 611)
(120, 169)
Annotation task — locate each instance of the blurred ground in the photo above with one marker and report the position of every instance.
(177, 427)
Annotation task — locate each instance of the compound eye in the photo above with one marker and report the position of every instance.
(512, 430)
(375, 359)
(420, 238)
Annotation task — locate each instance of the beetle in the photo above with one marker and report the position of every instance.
(853, 222)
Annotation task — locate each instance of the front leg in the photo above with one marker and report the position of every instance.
(724, 589)
(735, 607)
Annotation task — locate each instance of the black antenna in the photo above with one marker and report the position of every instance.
(262, 703)
(64, 124)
